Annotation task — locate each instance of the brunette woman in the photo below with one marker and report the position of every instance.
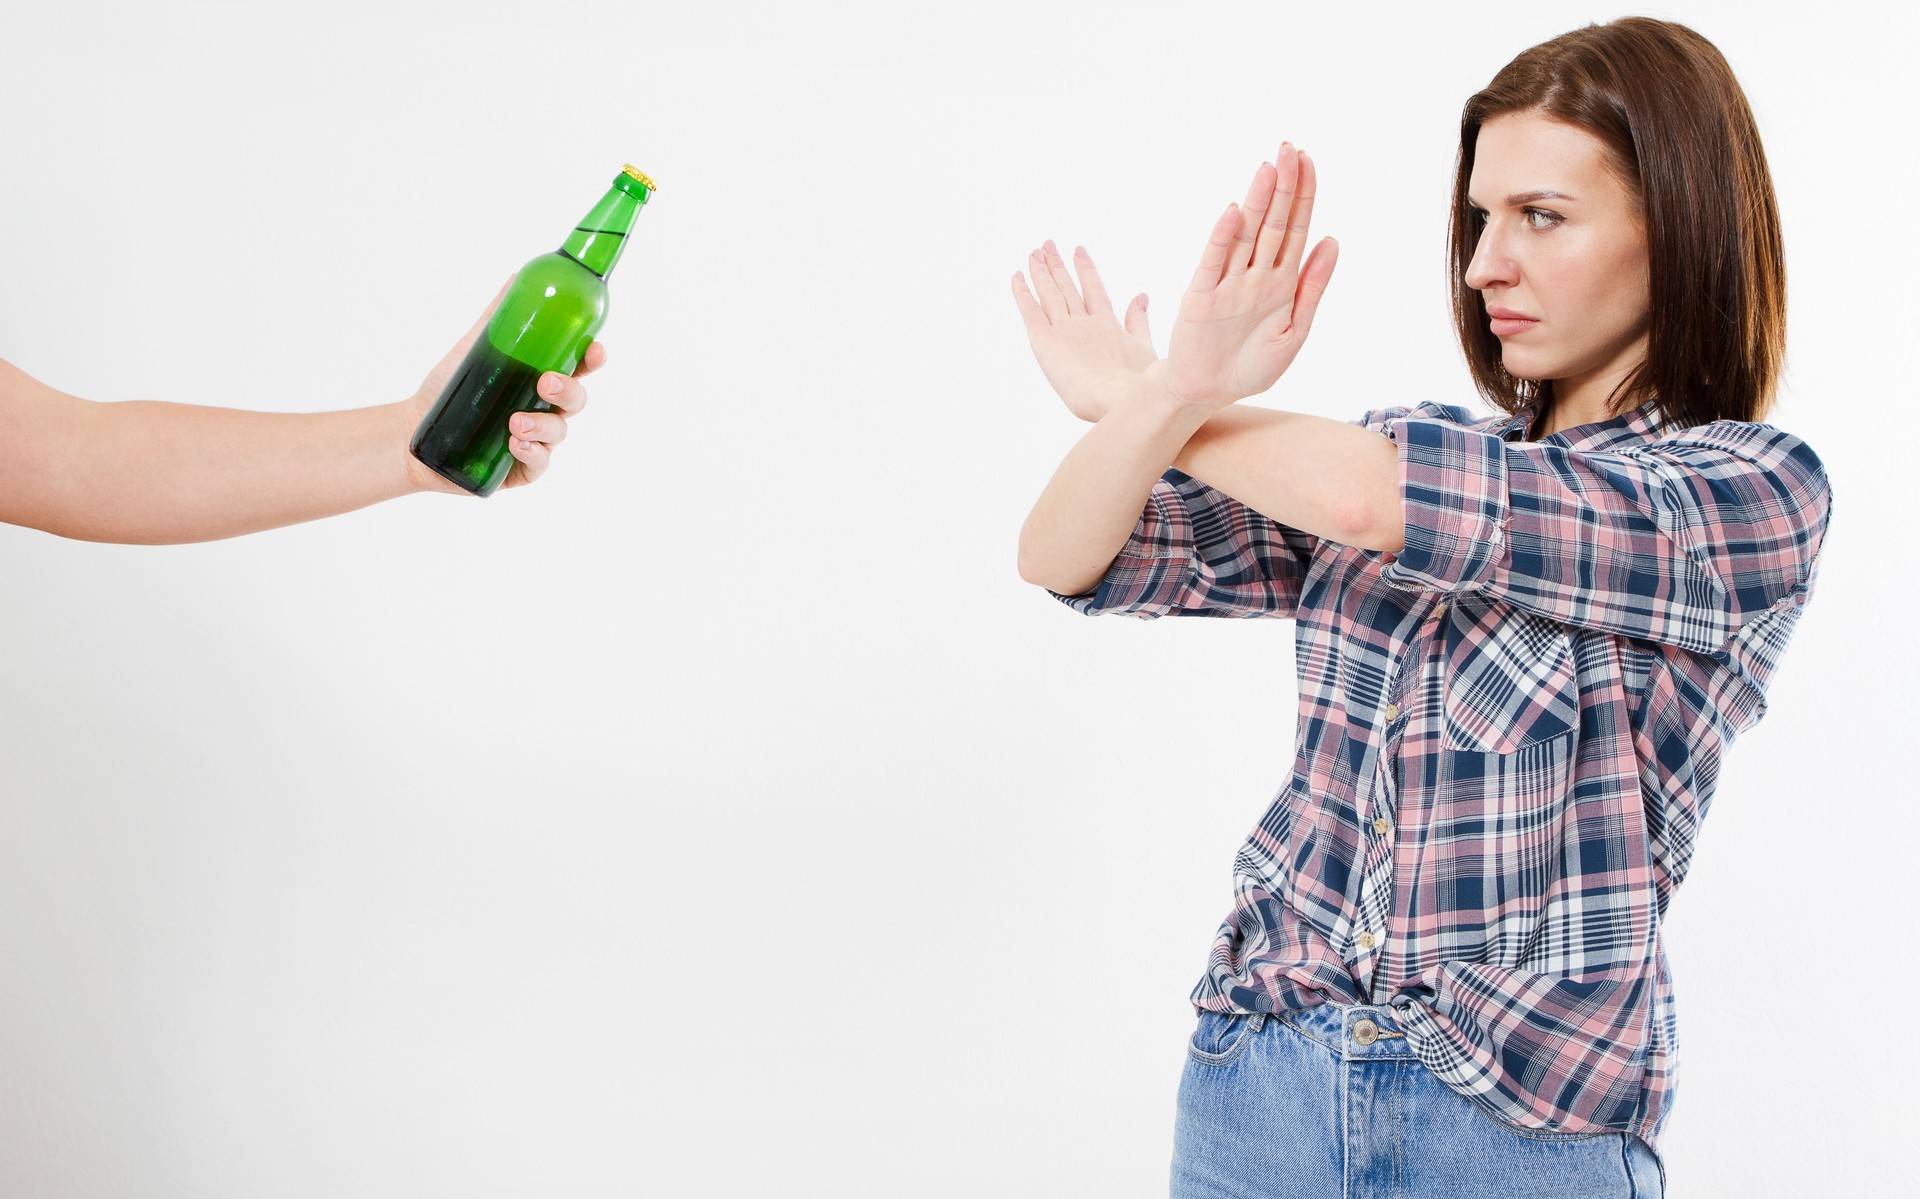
(1523, 641)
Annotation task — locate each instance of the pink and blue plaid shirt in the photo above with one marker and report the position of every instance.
(1509, 734)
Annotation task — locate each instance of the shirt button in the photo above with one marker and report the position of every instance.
(1442, 609)
(1366, 940)
(1393, 711)
(1381, 825)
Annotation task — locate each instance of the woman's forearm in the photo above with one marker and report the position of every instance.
(1092, 503)
(148, 472)
(1326, 477)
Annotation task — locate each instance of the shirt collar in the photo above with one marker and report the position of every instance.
(1634, 425)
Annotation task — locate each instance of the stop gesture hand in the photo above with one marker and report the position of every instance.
(1087, 354)
(1248, 309)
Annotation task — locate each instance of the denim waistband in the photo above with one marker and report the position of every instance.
(1352, 1031)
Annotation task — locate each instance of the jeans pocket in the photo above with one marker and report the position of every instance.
(1535, 1134)
(1218, 1039)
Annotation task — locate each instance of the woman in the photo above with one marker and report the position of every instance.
(153, 473)
(1523, 642)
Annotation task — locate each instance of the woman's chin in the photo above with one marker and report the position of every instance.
(1525, 366)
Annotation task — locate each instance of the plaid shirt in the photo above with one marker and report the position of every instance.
(1508, 737)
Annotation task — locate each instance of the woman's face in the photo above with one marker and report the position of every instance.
(1562, 244)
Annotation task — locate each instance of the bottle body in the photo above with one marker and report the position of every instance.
(544, 323)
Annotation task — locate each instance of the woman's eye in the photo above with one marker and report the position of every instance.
(1540, 218)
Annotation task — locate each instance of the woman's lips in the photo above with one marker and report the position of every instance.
(1508, 326)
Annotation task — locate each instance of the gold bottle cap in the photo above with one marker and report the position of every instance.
(641, 175)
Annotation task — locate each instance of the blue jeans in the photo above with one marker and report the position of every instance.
(1319, 1105)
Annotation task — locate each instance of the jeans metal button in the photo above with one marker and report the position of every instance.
(1366, 1031)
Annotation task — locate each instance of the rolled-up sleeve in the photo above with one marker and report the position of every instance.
(1199, 552)
(1680, 540)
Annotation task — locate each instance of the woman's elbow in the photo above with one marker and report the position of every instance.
(1041, 573)
(1031, 569)
(1030, 560)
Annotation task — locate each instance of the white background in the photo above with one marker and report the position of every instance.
(723, 815)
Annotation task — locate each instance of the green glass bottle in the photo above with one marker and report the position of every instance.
(544, 323)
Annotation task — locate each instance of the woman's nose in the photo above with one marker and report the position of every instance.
(1491, 265)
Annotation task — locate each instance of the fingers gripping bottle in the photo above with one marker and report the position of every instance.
(544, 323)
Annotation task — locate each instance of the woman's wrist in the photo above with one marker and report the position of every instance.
(1152, 406)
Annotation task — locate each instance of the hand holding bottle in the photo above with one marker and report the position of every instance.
(487, 415)
(532, 435)
(542, 323)
(151, 472)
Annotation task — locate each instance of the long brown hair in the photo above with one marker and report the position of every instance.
(1680, 135)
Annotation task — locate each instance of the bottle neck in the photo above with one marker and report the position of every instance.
(602, 234)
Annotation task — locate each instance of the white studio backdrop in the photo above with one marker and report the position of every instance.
(722, 815)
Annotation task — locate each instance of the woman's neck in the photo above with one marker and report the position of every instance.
(1586, 398)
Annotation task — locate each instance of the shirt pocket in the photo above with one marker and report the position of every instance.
(1512, 680)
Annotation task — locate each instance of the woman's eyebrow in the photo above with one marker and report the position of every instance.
(1544, 193)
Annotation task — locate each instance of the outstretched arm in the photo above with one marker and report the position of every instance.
(150, 473)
